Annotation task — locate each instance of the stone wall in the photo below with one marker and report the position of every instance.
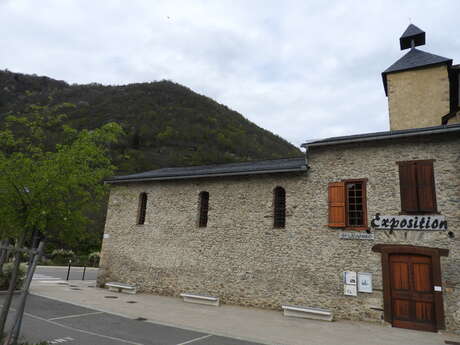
(240, 257)
(418, 98)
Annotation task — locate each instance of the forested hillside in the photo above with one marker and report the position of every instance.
(166, 124)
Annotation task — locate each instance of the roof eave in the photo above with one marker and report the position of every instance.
(383, 137)
(182, 177)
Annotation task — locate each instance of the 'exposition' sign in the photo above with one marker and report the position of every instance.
(421, 223)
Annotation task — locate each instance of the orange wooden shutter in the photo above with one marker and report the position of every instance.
(425, 185)
(336, 200)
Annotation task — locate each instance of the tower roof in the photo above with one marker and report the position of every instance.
(414, 59)
(412, 34)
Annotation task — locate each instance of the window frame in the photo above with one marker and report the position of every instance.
(277, 224)
(365, 225)
(203, 210)
(142, 208)
(433, 187)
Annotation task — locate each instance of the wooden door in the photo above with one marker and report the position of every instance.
(412, 296)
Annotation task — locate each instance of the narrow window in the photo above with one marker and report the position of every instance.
(279, 217)
(356, 204)
(142, 208)
(204, 205)
(347, 204)
(417, 188)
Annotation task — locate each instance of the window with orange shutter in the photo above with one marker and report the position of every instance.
(347, 204)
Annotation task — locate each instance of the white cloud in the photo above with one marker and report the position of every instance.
(300, 69)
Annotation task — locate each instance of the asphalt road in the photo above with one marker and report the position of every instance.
(61, 323)
(60, 273)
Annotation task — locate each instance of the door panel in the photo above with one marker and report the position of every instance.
(423, 312)
(412, 292)
(400, 276)
(401, 309)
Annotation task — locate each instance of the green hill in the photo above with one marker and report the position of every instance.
(166, 123)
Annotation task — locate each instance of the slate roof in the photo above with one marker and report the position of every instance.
(412, 33)
(412, 30)
(415, 58)
(232, 169)
(384, 135)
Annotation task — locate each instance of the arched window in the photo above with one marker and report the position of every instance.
(203, 216)
(279, 210)
(142, 208)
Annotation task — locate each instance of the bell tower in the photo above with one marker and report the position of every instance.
(417, 85)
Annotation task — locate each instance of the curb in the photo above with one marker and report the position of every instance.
(87, 267)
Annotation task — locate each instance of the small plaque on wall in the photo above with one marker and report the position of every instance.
(356, 236)
(349, 290)
(349, 277)
(365, 282)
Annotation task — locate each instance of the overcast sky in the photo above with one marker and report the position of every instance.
(301, 69)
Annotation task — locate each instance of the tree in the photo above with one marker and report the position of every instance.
(47, 189)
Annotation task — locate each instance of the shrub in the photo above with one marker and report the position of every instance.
(94, 258)
(5, 276)
(62, 256)
(44, 261)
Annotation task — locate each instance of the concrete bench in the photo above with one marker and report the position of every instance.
(307, 313)
(120, 287)
(200, 299)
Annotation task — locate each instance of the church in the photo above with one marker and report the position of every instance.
(365, 227)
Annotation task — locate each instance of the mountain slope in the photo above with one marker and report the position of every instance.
(166, 124)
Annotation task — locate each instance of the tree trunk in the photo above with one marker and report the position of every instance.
(16, 328)
(14, 275)
(3, 255)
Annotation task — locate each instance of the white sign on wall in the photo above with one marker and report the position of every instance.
(365, 282)
(349, 290)
(349, 277)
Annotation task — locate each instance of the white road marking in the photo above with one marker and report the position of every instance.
(81, 330)
(61, 340)
(196, 339)
(76, 315)
(38, 276)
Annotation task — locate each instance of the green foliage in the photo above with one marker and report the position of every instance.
(166, 124)
(51, 174)
(62, 256)
(93, 259)
(5, 276)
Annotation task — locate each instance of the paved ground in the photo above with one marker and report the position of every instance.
(59, 322)
(50, 273)
(251, 324)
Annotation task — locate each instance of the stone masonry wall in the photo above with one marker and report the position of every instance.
(418, 98)
(240, 257)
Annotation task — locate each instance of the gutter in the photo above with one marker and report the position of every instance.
(382, 137)
(164, 178)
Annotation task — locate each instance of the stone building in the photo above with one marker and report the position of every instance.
(366, 226)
